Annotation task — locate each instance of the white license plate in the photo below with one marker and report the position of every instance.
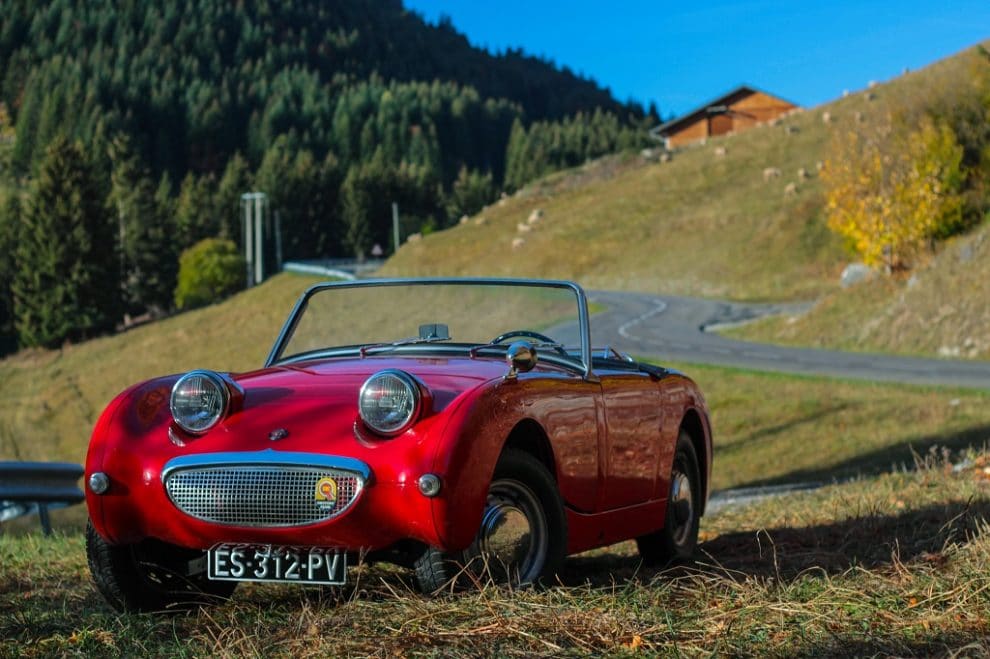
(304, 565)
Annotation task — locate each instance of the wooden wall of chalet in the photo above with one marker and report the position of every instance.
(744, 111)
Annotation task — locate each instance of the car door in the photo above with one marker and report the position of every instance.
(633, 420)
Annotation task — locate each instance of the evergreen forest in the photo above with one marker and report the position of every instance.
(129, 131)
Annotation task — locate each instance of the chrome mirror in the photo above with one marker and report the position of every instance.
(521, 358)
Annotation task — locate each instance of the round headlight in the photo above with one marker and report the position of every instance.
(199, 400)
(389, 401)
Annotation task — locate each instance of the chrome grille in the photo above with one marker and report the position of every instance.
(260, 496)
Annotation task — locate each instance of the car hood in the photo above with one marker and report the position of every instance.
(317, 400)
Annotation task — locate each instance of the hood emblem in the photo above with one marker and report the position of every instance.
(277, 434)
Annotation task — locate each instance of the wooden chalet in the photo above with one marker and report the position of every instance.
(736, 111)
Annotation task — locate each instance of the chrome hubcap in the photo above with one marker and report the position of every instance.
(513, 538)
(681, 505)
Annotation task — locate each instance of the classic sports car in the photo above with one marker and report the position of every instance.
(491, 443)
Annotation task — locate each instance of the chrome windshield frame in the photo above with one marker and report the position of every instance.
(584, 322)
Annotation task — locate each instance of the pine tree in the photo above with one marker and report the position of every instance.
(195, 214)
(356, 206)
(148, 262)
(236, 180)
(9, 220)
(469, 194)
(65, 282)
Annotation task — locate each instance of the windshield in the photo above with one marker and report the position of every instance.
(383, 315)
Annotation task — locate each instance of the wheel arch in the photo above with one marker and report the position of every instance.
(529, 437)
(696, 429)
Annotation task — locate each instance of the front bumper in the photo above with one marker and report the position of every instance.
(265, 497)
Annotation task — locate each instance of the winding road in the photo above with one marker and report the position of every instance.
(674, 328)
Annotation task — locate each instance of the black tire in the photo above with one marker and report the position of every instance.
(678, 538)
(149, 576)
(522, 539)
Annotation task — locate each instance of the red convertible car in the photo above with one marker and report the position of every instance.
(459, 427)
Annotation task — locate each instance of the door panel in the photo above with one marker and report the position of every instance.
(633, 419)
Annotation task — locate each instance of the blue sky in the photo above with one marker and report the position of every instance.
(681, 55)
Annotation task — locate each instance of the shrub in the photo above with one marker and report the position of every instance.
(209, 271)
(891, 192)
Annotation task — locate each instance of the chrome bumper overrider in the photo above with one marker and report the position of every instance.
(264, 489)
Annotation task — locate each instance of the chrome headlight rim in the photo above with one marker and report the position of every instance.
(223, 389)
(417, 395)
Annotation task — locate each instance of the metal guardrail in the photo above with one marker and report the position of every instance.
(346, 269)
(27, 487)
(318, 270)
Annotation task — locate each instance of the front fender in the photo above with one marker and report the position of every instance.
(565, 407)
(128, 417)
(471, 444)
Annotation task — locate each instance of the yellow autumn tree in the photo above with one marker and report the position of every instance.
(890, 193)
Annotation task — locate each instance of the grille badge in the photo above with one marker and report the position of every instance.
(277, 434)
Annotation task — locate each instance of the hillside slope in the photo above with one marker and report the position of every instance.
(701, 224)
(942, 309)
(707, 223)
(50, 399)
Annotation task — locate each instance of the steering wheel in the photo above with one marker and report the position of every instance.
(542, 338)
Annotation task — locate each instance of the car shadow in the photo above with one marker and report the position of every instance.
(866, 541)
(900, 456)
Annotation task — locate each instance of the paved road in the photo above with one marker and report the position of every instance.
(672, 328)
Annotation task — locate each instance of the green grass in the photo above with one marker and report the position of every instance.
(773, 428)
(896, 565)
(944, 310)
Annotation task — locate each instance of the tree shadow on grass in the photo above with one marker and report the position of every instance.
(761, 435)
(868, 541)
(900, 456)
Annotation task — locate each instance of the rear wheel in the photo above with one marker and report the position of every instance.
(150, 576)
(677, 540)
(522, 538)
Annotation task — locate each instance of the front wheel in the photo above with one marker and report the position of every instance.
(150, 576)
(677, 540)
(522, 538)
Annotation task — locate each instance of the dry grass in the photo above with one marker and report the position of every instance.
(943, 310)
(894, 565)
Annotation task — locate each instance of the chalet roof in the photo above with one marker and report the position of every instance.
(702, 110)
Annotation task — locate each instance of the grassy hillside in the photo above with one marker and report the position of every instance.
(895, 566)
(942, 309)
(712, 225)
(701, 224)
(50, 399)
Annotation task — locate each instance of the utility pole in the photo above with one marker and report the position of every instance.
(395, 227)
(255, 207)
(259, 238)
(248, 248)
(278, 242)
